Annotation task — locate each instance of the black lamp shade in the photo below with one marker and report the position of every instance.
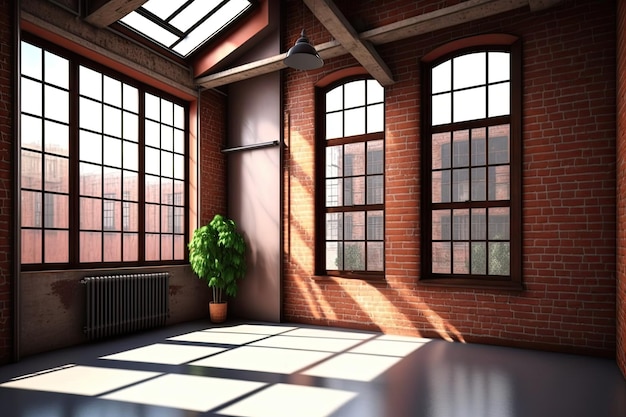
(303, 56)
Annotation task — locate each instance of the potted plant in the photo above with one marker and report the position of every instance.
(217, 256)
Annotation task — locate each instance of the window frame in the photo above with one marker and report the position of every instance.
(320, 181)
(75, 61)
(484, 43)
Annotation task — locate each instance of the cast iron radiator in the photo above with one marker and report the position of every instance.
(118, 304)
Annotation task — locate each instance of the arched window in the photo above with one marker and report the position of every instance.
(471, 195)
(350, 181)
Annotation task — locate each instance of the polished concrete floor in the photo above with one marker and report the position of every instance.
(275, 370)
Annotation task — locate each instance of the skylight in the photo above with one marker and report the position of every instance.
(184, 25)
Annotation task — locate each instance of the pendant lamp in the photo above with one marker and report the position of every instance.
(303, 56)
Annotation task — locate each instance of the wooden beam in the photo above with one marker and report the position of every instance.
(103, 13)
(464, 12)
(338, 26)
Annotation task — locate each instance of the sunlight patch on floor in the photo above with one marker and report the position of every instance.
(165, 354)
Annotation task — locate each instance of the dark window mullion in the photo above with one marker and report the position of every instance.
(74, 165)
(141, 180)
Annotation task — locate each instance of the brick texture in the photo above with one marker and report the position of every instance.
(212, 161)
(621, 186)
(7, 76)
(569, 191)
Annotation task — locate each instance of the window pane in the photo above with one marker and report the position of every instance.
(152, 134)
(479, 258)
(334, 226)
(31, 170)
(56, 211)
(375, 92)
(441, 150)
(499, 223)
(441, 229)
(479, 224)
(479, 154)
(499, 66)
(461, 258)
(460, 185)
(153, 189)
(31, 246)
(375, 118)
(152, 107)
(470, 104)
(113, 183)
(354, 256)
(479, 184)
(355, 121)
(375, 256)
(90, 115)
(179, 141)
(499, 99)
(334, 99)
(131, 247)
(470, 70)
(112, 91)
(354, 225)
(153, 157)
(153, 216)
(334, 255)
(499, 258)
(130, 156)
(90, 214)
(167, 138)
(375, 157)
(131, 98)
(354, 94)
(32, 90)
(31, 61)
(179, 117)
(56, 246)
(460, 149)
(441, 186)
(153, 247)
(31, 214)
(167, 164)
(499, 145)
(179, 167)
(56, 174)
(442, 109)
(442, 77)
(354, 159)
(354, 191)
(112, 121)
(112, 247)
(442, 258)
(375, 225)
(113, 152)
(179, 248)
(375, 189)
(57, 137)
(90, 247)
(499, 183)
(57, 105)
(131, 126)
(90, 83)
(90, 147)
(131, 186)
(460, 224)
(334, 125)
(130, 217)
(90, 180)
(31, 132)
(56, 70)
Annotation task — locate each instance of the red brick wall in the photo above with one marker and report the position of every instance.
(568, 195)
(621, 186)
(7, 53)
(212, 161)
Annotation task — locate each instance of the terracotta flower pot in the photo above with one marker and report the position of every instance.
(218, 311)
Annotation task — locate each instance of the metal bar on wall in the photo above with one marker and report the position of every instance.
(251, 146)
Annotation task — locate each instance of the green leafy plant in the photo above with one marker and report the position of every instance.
(217, 256)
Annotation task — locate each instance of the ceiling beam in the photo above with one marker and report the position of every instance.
(537, 5)
(338, 26)
(102, 13)
(464, 12)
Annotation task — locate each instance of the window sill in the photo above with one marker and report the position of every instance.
(378, 280)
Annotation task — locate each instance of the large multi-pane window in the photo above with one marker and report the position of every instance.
(471, 201)
(106, 154)
(351, 157)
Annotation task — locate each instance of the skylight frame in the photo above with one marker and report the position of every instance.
(166, 26)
